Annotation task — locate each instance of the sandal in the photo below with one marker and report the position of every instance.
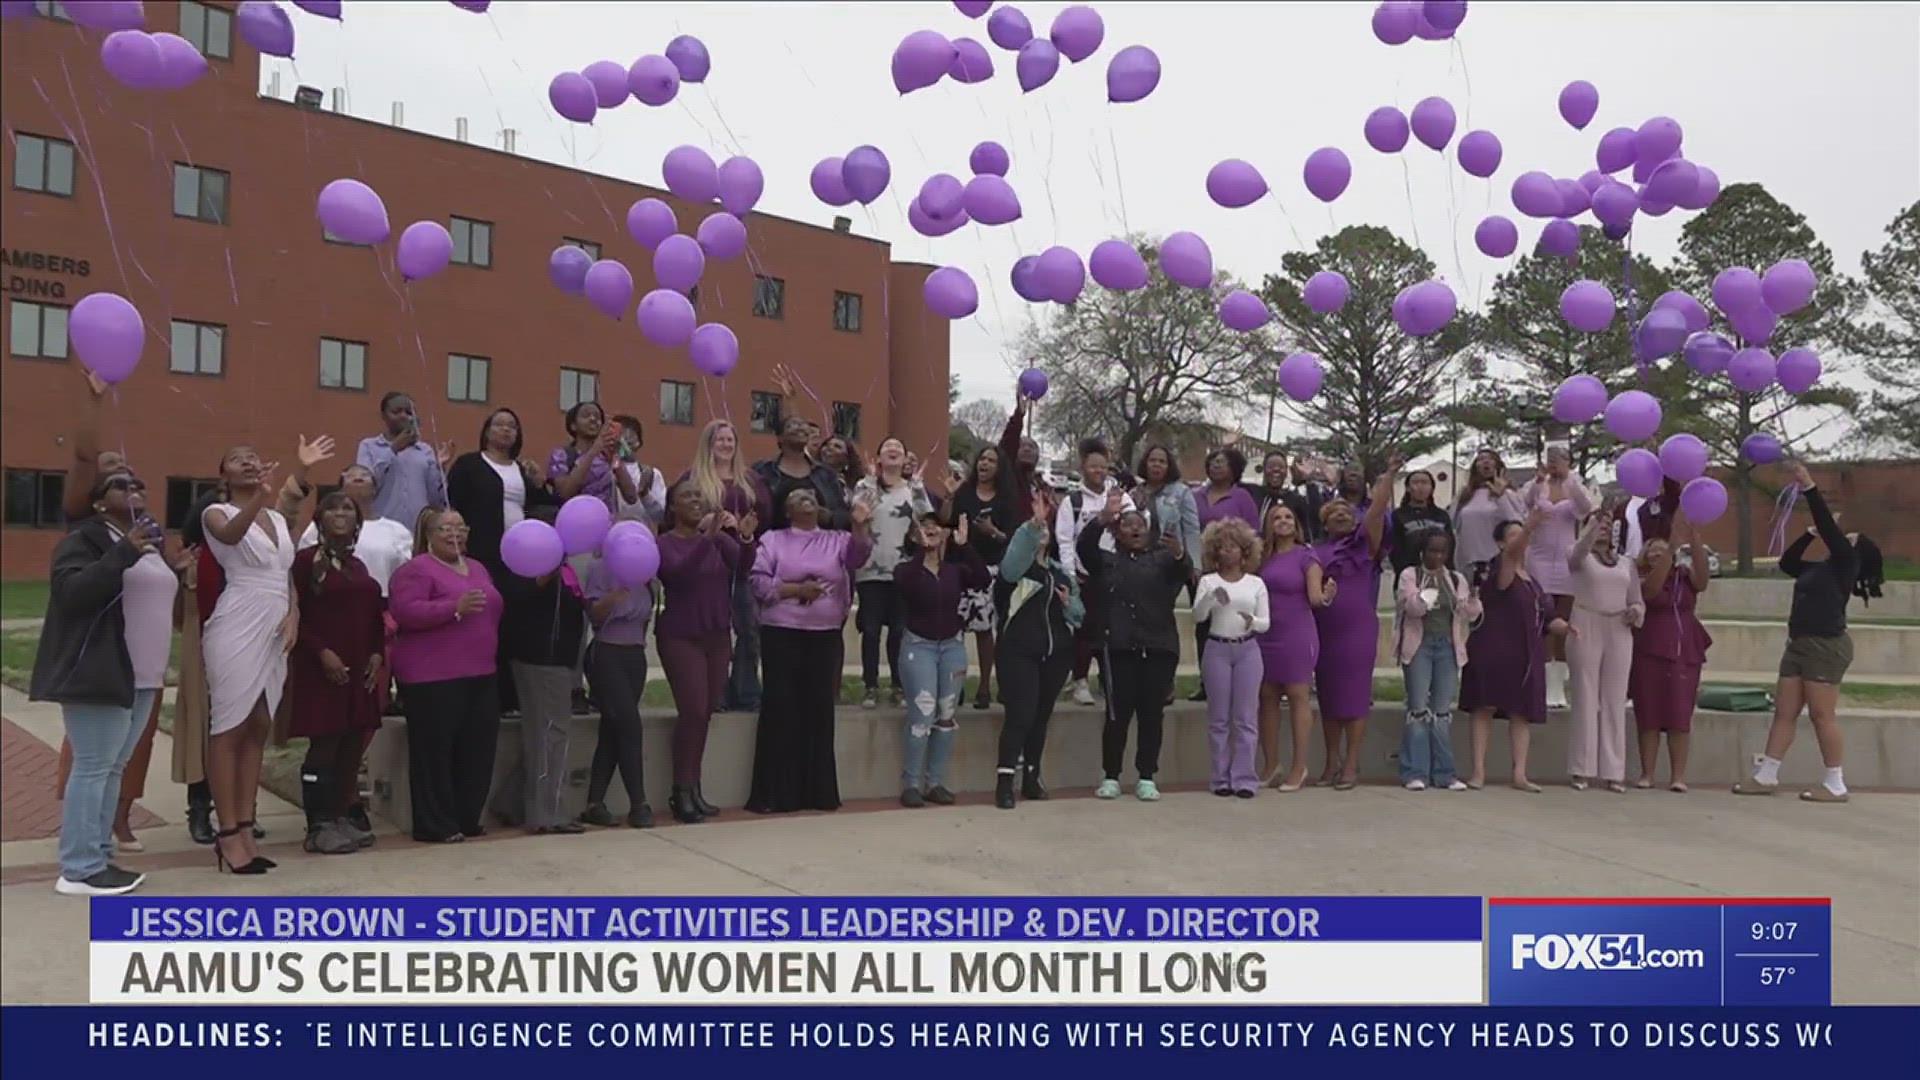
(1616, 787)
(1678, 787)
(1577, 783)
(1643, 783)
(1476, 785)
(1527, 786)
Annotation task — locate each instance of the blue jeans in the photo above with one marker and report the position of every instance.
(933, 675)
(743, 680)
(103, 738)
(1426, 746)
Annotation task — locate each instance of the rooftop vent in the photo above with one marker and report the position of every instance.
(399, 114)
(843, 224)
(308, 97)
(508, 139)
(460, 128)
(339, 99)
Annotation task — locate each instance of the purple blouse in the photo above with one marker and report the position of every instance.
(1671, 629)
(432, 644)
(794, 555)
(599, 474)
(697, 572)
(1237, 504)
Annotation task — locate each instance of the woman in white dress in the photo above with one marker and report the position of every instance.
(246, 640)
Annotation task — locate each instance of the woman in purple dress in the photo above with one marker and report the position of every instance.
(1506, 673)
(1290, 646)
(1349, 620)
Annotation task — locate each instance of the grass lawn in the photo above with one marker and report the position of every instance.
(23, 600)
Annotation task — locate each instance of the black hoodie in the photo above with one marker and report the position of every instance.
(82, 658)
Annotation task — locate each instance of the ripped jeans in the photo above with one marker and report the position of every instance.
(933, 675)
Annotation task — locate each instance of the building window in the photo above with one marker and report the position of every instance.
(467, 377)
(343, 364)
(769, 297)
(588, 246)
(472, 242)
(577, 386)
(34, 497)
(198, 348)
(44, 165)
(209, 28)
(38, 331)
(183, 494)
(766, 413)
(846, 419)
(51, 9)
(676, 402)
(846, 311)
(327, 235)
(200, 194)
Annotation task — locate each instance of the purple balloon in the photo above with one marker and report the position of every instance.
(1751, 370)
(1394, 20)
(1633, 416)
(326, 9)
(1036, 64)
(1798, 370)
(1574, 199)
(1008, 28)
(264, 26)
(1444, 15)
(1480, 153)
(632, 555)
(1657, 140)
(972, 9)
(1301, 375)
(1692, 312)
(1579, 399)
(714, 349)
(183, 64)
(1327, 173)
(1590, 182)
(567, 266)
(1186, 260)
(1116, 265)
(690, 59)
(928, 225)
(108, 14)
(1683, 458)
(352, 211)
(653, 80)
(1615, 151)
(920, 60)
(1754, 325)
(609, 287)
(1662, 333)
(941, 195)
(1706, 188)
(691, 174)
(1059, 272)
(1760, 448)
(1638, 471)
(532, 549)
(990, 200)
(1615, 204)
(425, 249)
(1615, 232)
(867, 173)
(609, 82)
(1673, 180)
(971, 64)
(951, 293)
(572, 97)
(666, 318)
(650, 221)
(741, 185)
(1033, 384)
(1535, 194)
(989, 157)
(1326, 292)
(1737, 289)
(1703, 500)
(1077, 32)
(1432, 122)
(721, 236)
(107, 334)
(1579, 100)
(582, 523)
(1561, 237)
(1587, 305)
(829, 186)
(1025, 278)
(1496, 236)
(478, 7)
(1430, 306)
(16, 9)
(1132, 74)
(1708, 353)
(1643, 169)
(1234, 183)
(132, 58)
(678, 262)
(1387, 129)
(1241, 310)
(1788, 286)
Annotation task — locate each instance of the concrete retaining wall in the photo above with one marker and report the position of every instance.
(1883, 750)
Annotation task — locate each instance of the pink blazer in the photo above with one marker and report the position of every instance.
(1411, 614)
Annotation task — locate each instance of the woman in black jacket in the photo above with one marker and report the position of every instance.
(1038, 603)
(1137, 583)
(102, 656)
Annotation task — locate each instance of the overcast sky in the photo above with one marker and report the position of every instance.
(1820, 102)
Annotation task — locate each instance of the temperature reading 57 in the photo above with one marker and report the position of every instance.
(1774, 931)
(1774, 976)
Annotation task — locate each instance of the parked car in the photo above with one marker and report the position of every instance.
(1685, 555)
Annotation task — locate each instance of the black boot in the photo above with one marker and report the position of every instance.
(701, 804)
(685, 805)
(1030, 786)
(1003, 792)
(199, 814)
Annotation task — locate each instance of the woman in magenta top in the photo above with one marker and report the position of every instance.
(448, 615)
(1669, 649)
(801, 579)
(1290, 646)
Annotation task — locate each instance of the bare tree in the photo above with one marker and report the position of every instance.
(985, 418)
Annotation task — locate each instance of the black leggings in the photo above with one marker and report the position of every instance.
(330, 774)
(618, 674)
(1137, 687)
(880, 609)
(1029, 687)
(453, 729)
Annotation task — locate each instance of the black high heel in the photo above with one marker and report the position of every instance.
(685, 807)
(701, 804)
(220, 856)
(258, 832)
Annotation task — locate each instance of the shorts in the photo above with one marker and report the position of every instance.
(976, 608)
(1817, 659)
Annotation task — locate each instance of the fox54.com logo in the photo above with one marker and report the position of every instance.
(1599, 952)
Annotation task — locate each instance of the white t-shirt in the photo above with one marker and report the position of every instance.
(1245, 613)
(652, 489)
(1067, 523)
(513, 486)
(383, 546)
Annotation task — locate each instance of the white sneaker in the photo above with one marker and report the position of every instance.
(1415, 785)
(1082, 695)
(1457, 785)
(1147, 791)
(1108, 789)
(871, 701)
(110, 881)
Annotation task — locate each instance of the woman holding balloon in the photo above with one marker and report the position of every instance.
(1607, 608)
(1556, 490)
(619, 594)
(1669, 651)
(1487, 502)
(543, 619)
(1505, 675)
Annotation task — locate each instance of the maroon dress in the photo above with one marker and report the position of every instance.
(345, 616)
(1507, 655)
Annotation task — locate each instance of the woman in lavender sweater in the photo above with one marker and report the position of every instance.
(800, 578)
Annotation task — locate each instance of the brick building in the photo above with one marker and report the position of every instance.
(198, 206)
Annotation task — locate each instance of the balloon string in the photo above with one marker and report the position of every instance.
(1453, 207)
(1288, 218)
(1119, 181)
(1413, 219)
(1640, 360)
(1782, 514)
